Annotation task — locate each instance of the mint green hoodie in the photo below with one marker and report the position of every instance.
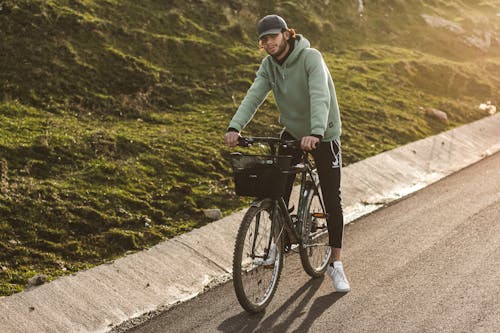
(303, 89)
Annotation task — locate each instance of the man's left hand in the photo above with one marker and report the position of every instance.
(309, 143)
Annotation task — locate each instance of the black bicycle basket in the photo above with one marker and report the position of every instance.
(260, 176)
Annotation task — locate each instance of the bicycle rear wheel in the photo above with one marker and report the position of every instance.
(314, 250)
(256, 266)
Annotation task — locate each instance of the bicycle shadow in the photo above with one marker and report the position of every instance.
(318, 307)
(283, 317)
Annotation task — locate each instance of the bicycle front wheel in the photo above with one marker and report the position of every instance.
(314, 249)
(258, 258)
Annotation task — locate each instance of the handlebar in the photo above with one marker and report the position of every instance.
(245, 141)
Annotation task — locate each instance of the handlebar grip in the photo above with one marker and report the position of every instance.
(244, 141)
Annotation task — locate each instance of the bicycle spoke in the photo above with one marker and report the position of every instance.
(314, 251)
(255, 269)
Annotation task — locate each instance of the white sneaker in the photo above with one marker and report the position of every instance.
(336, 273)
(271, 257)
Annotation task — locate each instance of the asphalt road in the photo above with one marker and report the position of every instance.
(428, 263)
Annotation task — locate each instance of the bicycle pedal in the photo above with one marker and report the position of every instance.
(317, 226)
(319, 215)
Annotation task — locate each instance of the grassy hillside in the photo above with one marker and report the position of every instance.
(112, 112)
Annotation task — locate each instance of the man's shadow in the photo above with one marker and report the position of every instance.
(317, 308)
(245, 322)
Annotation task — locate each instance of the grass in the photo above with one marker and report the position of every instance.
(112, 113)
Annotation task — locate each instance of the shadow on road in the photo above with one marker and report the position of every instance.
(282, 318)
(317, 308)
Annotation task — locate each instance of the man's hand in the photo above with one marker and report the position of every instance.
(231, 138)
(309, 143)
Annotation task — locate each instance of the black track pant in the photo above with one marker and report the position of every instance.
(328, 159)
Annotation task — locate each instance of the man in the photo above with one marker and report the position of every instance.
(305, 94)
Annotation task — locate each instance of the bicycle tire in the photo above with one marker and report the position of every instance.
(254, 283)
(314, 250)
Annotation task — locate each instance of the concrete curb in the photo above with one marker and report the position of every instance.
(178, 269)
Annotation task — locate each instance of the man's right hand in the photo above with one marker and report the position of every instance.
(231, 138)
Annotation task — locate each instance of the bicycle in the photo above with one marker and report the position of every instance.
(268, 229)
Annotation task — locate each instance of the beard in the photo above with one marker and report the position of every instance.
(281, 48)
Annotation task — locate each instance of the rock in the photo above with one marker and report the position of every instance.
(488, 108)
(437, 114)
(146, 220)
(213, 214)
(439, 22)
(481, 40)
(37, 280)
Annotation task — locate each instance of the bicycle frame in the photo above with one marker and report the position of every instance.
(281, 209)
